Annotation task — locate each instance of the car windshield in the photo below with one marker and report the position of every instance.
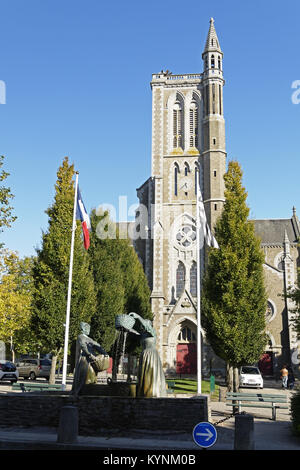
(250, 370)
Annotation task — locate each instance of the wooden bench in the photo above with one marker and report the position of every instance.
(30, 387)
(257, 400)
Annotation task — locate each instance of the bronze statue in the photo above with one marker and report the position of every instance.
(151, 377)
(88, 362)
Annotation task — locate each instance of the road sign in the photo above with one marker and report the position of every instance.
(205, 434)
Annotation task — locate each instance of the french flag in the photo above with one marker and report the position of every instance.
(81, 214)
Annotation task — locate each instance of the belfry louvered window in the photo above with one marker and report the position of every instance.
(193, 125)
(177, 125)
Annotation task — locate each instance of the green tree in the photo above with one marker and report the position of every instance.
(51, 272)
(119, 279)
(16, 291)
(233, 296)
(6, 217)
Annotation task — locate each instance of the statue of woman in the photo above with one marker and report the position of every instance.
(86, 351)
(151, 377)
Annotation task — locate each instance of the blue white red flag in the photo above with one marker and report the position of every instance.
(81, 214)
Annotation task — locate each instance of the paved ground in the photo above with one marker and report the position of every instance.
(269, 435)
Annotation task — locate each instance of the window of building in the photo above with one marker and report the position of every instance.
(193, 124)
(186, 335)
(196, 178)
(176, 171)
(177, 125)
(212, 62)
(193, 280)
(180, 279)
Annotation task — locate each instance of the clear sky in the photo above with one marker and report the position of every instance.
(77, 77)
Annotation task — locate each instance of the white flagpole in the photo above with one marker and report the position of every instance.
(64, 373)
(199, 374)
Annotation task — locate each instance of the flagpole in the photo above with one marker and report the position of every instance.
(65, 360)
(199, 374)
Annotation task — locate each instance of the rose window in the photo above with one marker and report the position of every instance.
(186, 236)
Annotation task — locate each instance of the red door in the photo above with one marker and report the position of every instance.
(265, 364)
(186, 359)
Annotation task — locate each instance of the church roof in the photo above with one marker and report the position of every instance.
(274, 231)
(212, 41)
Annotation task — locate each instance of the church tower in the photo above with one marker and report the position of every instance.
(213, 152)
(188, 145)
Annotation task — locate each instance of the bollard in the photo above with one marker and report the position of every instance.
(244, 432)
(68, 425)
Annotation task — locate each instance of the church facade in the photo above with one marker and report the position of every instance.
(188, 145)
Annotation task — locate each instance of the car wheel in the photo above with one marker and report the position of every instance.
(32, 376)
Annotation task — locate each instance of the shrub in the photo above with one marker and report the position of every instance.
(295, 412)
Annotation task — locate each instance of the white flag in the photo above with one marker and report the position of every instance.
(208, 236)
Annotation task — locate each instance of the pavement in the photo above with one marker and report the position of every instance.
(268, 434)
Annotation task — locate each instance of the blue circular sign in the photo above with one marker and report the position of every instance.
(205, 434)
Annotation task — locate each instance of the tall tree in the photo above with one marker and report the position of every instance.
(119, 279)
(6, 217)
(233, 295)
(51, 272)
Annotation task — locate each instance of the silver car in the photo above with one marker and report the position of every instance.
(33, 368)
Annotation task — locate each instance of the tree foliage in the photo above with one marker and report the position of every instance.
(16, 289)
(233, 297)
(51, 270)
(120, 282)
(6, 217)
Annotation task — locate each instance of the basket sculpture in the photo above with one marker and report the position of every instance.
(101, 363)
(124, 321)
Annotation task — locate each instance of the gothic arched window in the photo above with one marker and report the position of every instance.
(219, 62)
(212, 62)
(186, 335)
(176, 171)
(193, 280)
(180, 279)
(193, 124)
(196, 177)
(177, 125)
(186, 169)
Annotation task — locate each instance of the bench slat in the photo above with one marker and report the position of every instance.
(259, 400)
(234, 394)
(260, 405)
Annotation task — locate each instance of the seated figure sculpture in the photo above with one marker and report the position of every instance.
(151, 378)
(86, 351)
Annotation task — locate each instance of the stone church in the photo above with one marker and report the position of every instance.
(188, 145)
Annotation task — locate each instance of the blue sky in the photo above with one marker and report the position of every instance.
(77, 77)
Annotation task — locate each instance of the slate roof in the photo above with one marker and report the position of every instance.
(272, 231)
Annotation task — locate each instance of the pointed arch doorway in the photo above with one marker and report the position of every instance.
(186, 351)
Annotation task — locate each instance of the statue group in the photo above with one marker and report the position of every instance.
(92, 358)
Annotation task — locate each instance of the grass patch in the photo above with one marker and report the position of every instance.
(189, 386)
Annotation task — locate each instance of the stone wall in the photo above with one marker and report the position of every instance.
(98, 413)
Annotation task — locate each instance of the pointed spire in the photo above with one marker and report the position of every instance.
(212, 41)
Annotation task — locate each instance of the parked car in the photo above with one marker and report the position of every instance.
(250, 376)
(8, 372)
(33, 368)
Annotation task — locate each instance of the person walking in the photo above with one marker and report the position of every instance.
(284, 376)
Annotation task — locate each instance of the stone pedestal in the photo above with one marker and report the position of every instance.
(68, 425)
(244, 432)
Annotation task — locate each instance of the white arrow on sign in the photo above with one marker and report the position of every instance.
(207, 434)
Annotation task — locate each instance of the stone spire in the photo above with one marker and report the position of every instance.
(212, 41)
